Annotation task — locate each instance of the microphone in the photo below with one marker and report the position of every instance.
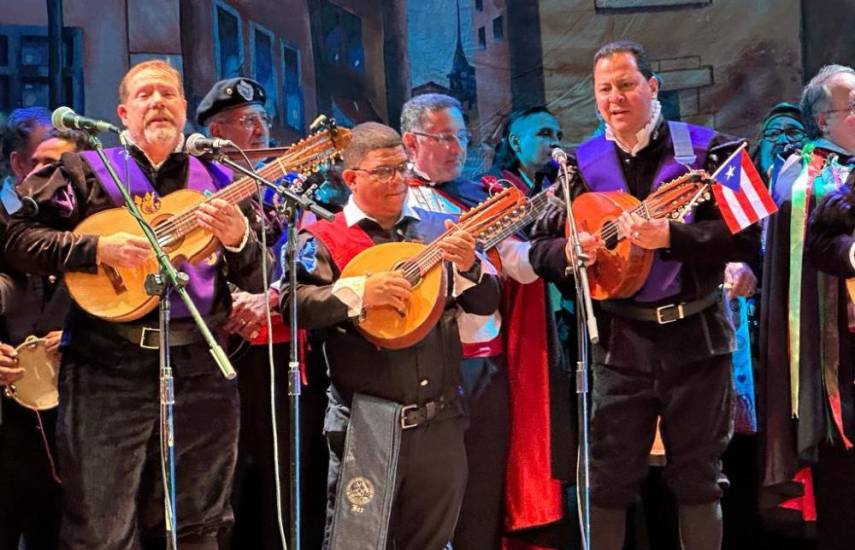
(559, 156)
(198, 145)
(64, 118)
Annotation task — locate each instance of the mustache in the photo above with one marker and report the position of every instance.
(162, 114)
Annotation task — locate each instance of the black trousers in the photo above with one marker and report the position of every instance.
(429, 490)
(485, 381)
(29, 495)
(695, 403)
(254, 496)
(109, 448)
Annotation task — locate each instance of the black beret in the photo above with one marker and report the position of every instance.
(228, 94)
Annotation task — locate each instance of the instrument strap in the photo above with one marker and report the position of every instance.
(803, 188)
(368, 476)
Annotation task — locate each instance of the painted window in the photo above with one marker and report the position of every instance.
(499, 28)
(24, 66)
(228, 41)
(291, 91)
(264, 67)
(342, 38)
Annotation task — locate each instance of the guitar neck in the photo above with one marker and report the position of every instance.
(234, 193)
(531, 211)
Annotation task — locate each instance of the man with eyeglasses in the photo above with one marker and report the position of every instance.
(436, 140)
(408, 399)
(234, 109)
(806, 378)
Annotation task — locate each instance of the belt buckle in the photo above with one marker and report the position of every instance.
(145, 331)
(404, 410)
(662, 313)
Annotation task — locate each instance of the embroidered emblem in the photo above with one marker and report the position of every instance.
(213, 258)
(244, 88)
(148, 203)
(308, 256)
(359, 492)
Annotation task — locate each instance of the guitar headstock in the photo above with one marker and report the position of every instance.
(324, 145)
(674, 198)
(481, 220)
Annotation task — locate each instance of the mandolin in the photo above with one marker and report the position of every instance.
(421, 264)
(118, 294)
(622, 267)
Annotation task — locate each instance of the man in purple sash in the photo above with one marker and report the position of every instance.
(664, 352)
(107, 433)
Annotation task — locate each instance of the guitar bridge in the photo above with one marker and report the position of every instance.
(115, 279)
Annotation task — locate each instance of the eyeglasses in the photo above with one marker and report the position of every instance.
(792, 133)
(462, 137)
(384, 174)
(850, 109)
(248, 122)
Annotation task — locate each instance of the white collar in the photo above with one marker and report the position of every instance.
(643, 135)
(353, 214)
(179, 148)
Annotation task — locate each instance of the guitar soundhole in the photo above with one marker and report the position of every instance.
(610, 235)
(410, 271)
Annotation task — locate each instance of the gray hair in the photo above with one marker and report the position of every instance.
(415, 110)
(367, 137)
(816, 95)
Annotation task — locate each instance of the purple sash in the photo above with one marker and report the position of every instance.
(203, 177)
(600, 167)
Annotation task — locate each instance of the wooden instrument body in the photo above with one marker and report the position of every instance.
(38, 388)
(385, 326)
(118, 294)
(620, 271)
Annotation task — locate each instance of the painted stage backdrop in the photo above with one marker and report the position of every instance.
(723, 63)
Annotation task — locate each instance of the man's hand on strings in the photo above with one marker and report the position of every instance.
(387, 288)
(590, 245)
(224, 220)
(123, 250)
(649, 234)
(458, 248)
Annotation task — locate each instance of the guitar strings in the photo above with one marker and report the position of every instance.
(182, 223)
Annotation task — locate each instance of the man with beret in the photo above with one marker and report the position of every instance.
(234, 109)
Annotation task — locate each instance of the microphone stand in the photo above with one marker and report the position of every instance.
(162, 284)
(292, 206)
(586, 325)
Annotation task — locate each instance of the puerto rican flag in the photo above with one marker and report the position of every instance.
(740, 194)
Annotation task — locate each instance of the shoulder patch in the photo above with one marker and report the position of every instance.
(308, 255)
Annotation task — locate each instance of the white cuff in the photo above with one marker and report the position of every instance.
(350, 291)
(852, 255)
(460, 283)
(243, 241)
(515, 260)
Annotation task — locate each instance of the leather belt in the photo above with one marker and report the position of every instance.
(663, 315)
(413, 416)
(149, 338)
